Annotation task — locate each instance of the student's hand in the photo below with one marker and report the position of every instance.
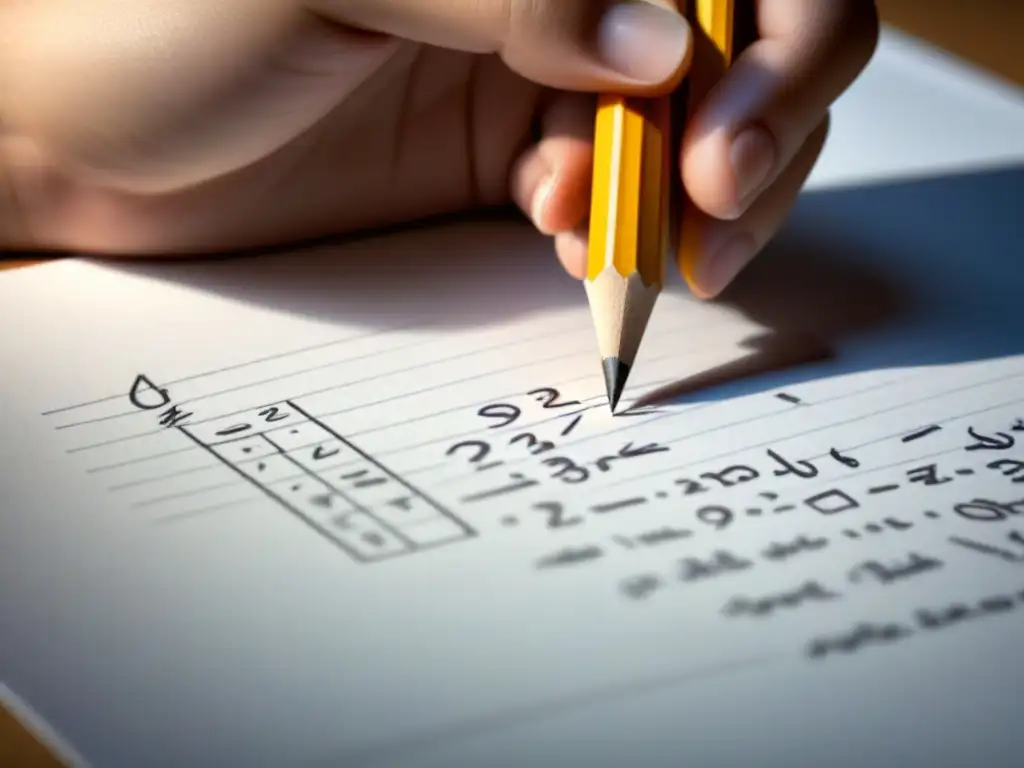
(132, 127)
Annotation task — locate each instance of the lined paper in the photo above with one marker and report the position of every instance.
(366, 505)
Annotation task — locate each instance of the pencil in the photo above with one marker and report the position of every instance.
(630, 229)
(716, 23)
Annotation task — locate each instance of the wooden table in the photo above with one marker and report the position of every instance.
(985, 32)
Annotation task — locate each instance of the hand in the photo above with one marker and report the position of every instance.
(131, 127)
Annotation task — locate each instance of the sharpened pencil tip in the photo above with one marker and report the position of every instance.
(615, 374)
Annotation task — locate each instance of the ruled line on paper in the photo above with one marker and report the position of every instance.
(332, 388)
(421, 417)
(312, 393)
(238, 482)
(235, 367)
(441, 439)
(212, 466)
(601, 403)
(140, 459)
(560, 357)
(384, 401)
(748, 420)
(229, 390)
(946, 421)
(334, 363)
(411, 446)
(746, 448)
(782, 410)
(189, 514)
(763, 444)
(164, 477)
(184, 494)
(121, 438)
(777, 440)
(879, 468)
(873, 414)
(811, 488)
(593, 376)
(369, 425)
(175, 451)
(690, 466)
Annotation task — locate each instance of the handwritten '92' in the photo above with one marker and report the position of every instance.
(503, 414)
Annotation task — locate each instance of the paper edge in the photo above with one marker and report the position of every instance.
(40, 730)
(912, 52)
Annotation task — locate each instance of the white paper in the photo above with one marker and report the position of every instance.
(168, 599)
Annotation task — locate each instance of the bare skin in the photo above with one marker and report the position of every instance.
(140, 127)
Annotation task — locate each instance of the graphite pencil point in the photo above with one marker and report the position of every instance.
(615, 374)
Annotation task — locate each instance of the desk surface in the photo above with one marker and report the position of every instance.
(983, 32)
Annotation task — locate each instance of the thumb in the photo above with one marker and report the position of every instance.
(630, 46)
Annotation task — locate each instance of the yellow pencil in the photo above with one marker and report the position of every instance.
(630, 227)
(629, 234)
(715, 21)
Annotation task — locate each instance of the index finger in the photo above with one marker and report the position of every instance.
(775, 94)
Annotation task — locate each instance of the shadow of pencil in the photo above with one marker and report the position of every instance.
(908, 273)
(810, 301)
(770, 352)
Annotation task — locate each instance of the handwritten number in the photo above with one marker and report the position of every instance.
(567, 470)
(730, 476)
(572, 424)
(548, 398)
(503, 413)
(691, 487)
(556, 516)
(479, 448)
(799, 468)
(717, 517)
(1009, 468)
(272, 414)
(533, 445)
(1000, 441)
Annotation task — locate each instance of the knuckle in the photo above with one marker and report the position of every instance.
(858, 28)
(508, 18)
(835, 40)
(535, 21)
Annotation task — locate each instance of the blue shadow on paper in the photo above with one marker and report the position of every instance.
(895, 274)
(901, 274)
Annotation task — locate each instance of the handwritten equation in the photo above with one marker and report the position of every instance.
(659, 522)
(993, 456)
(318, 475)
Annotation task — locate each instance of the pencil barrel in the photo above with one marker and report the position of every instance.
(629, 229)
(720, 30)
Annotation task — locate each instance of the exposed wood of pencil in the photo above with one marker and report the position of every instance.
(629, 231)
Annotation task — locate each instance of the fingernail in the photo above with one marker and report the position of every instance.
(643, 41)
(752, 156)
(717, 269)
(541, 195)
